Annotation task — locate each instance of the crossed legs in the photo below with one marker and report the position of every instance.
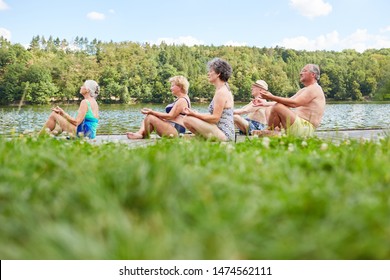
(205, 129)
(241, 123)
(152, 123)
(56, 122)
(280, 116)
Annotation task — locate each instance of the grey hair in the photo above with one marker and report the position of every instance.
(220, 67)
(92, 87)
(314, 68)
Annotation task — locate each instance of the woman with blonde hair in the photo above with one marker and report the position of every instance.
(168, 123)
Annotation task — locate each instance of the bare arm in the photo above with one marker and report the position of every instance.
(260, 102)
(176, 110)
(244, 110)
(219, 104)
(302, 97)
(80, 113)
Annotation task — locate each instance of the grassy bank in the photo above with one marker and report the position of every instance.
(189, 199)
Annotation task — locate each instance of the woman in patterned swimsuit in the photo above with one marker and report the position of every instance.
(219, 123)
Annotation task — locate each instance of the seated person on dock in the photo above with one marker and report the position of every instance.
(308, 103)
(218, 123)
(169, 123)
(256, 114)
(86, 121)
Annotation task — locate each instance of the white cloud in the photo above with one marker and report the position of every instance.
(96, 16)
(183, 40)
(111, 11)
(360, 40)
(235, 44)
(322, 42)
(311, 8)
(5, 33)
(381, 43)
(3, 5)
(385, 29)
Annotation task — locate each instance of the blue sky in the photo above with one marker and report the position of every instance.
(298, 24)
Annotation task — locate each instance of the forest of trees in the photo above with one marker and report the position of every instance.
(53, 70)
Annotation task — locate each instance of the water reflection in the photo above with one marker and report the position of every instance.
(352, 116)
(117, 119)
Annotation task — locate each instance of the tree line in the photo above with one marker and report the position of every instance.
(53, 70)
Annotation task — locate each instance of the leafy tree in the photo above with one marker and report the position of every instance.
(10, 86)
(37, 85)
(38, 93)
(326, 84)
(356, 94)
(53, 69)
(115, 91)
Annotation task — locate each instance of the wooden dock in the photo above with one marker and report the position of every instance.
(364, 134)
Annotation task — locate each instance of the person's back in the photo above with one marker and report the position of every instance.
(94, 107)
(90, 123)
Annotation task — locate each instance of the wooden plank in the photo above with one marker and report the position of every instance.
(366, 134)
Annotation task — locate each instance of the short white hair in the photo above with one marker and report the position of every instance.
(92, 87)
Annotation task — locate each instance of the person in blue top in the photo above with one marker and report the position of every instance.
(87, 119)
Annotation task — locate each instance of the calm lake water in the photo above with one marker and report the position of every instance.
(117, 119)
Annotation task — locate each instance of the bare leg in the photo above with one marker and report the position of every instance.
(203, 128)
(57, 129)
(267, 113)
(267, 132)
(134, 135)
(241, 123)
(280, 116)
(140, 134)
(163, 128)
(56, 120)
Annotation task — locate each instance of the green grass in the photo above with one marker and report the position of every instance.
(192, 199)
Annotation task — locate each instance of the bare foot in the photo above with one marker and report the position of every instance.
(263, 133)
(134, 135)
(55, 132)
